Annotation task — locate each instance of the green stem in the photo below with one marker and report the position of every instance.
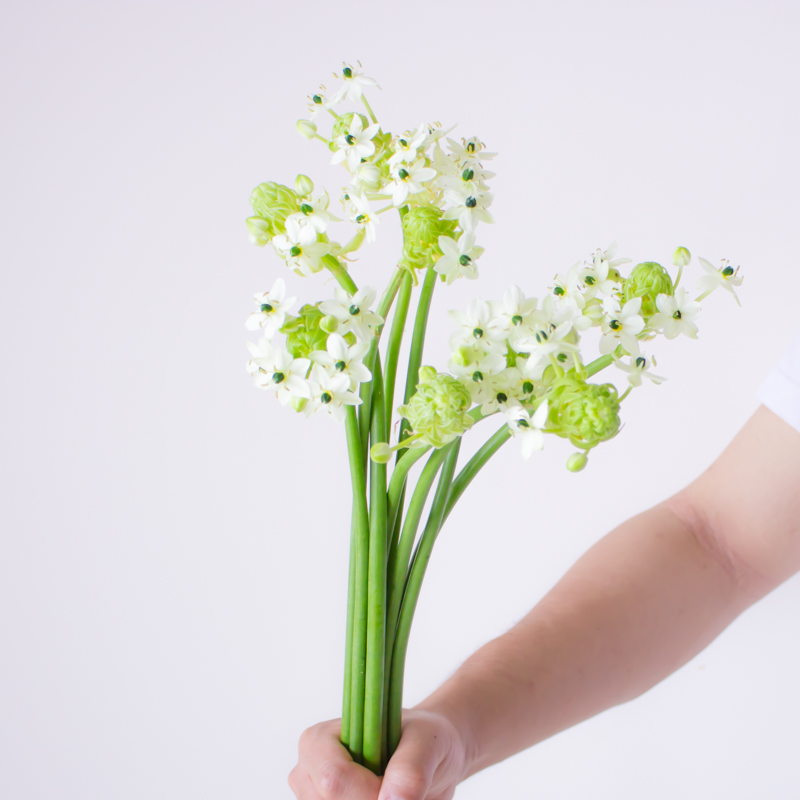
(599, 363)
(369, 108)
(395, 340)
(348, 642)
(417, 343)
(412, 590)
(359, 633)
(338, 271)
(376, 620)
(398, 481)
(365, 392)
(474, 466)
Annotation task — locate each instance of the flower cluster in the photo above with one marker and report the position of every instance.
(320, 366)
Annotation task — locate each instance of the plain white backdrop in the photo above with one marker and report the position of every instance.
(174, 543)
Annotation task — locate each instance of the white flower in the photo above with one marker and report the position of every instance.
(676, 315)
(725, 276)
(355, 144)
(527, 427)
(343, 360)
(406, 146)
(468, 209)
(360, 215)
(470, 152)
(354, 84)
(314, 213)
(330, 393)
(499, 389)
(622, 326)
(299, 246)
(273, 307)
(408, 179)
(458, 258)
(319, 101)
(472, 365)
(274, 368)
(637, 368)
(516, 314)
(353, 311)
(366, 177)
(477, 324)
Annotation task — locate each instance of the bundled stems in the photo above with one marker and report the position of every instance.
(395, 340)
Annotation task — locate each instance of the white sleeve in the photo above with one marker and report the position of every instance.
(780, 392)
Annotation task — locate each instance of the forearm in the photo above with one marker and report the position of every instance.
(633, 609)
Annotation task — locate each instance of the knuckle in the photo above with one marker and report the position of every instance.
(332, 781)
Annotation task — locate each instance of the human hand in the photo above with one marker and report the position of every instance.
(429, 763)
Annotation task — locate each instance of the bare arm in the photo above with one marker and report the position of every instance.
(637, 606)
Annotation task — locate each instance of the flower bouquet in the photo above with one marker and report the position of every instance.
(518, 359)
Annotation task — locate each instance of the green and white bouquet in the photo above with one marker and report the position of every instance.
(518, 359)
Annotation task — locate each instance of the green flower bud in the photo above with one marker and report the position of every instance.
(303, 185)
(584, 413)
(648, 280)
(304, 333)
(272, 203)
(329, 324)
(306, 128)
(259, 229)
(380, 453)
(438, 410)
(681, 257)
(422, 227)
(576, 462)
(298, 403)
(341, 127)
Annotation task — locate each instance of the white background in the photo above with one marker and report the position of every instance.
(174, 543)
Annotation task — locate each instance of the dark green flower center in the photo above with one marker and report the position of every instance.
(340, 366)
(502, 397)
(464, 260)
(467, 175)
(403, 143)
(516, 319)
(541, 336)
(561, 357)
(325, 397)
(350, 139)
(614, 325)
(727, 272)
(677, 315)
(278, 377)
(347, 72)
(403, 174)
(317, 99)
(640, 363)
(523, 423)
(477, 376)
(471, 147)
(306, 208)
(266, 308)
(355, 310)
(361, 218)
(590, 280)
(347, 197)
(477, 332)
(296, 251)
(471, 202)
(559, 291)
(527, 387)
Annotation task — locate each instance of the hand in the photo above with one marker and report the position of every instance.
(429, 763)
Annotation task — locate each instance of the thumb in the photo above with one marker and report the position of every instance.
(410, 771)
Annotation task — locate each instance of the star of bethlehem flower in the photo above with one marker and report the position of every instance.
(637, 367)
(477, 324)
(676, 315)
(354, 84)
(355, 144)
(408, 179)
(319, 101)
(406, 146)
(528, 428)
(329, 393)
(339, 358)
(498, 390)
(360, 214)
(353, 312)
(725, 276)
(468, 209)
(458, 258)
(274, 368)
(300, 248)
(471, 150)
(516, 314)
(314, 213)
(621, 326)
(273, 306)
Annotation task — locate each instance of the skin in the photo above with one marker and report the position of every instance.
(637, 606)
